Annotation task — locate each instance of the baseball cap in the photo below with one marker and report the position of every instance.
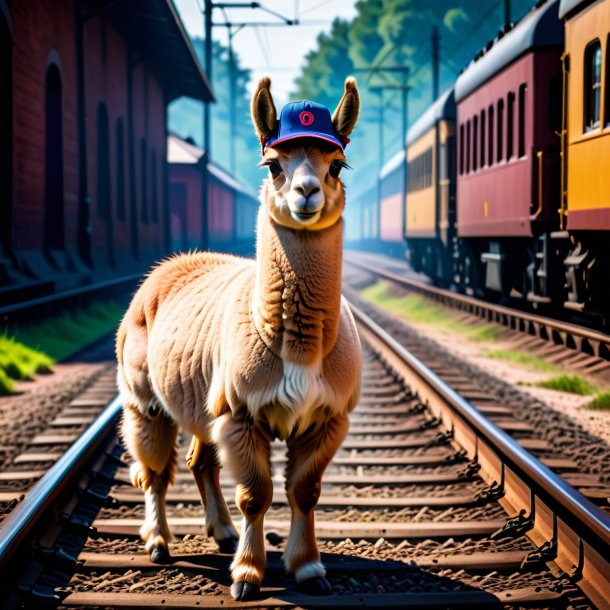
(305, 119)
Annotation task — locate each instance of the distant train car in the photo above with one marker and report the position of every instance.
(509, 110)
(430, 203)
(585, 208)
(231, 214)
(392, 186)
(362, 219)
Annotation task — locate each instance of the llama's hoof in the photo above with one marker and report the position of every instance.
(244, 591)
(160, 554)
(315, 586)
(227, 545)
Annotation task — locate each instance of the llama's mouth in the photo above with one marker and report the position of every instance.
(304, 216)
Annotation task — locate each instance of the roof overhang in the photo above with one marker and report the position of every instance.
(162, 43)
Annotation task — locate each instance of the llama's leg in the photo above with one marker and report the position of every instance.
(245, 451)
(308, 457)
(151, 441)
(203, 463)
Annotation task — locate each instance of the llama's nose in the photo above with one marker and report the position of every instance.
(307, 187)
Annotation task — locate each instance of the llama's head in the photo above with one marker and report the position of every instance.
(304, 188)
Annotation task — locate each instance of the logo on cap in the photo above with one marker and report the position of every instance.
(306, 118)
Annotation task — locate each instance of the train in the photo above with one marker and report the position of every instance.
(508, 173)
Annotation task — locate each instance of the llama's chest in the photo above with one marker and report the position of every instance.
(291, 399)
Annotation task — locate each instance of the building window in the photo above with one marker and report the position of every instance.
(154, 193)
(103, 164)
(120, 170)
(522, 90)
(144, 179)
(461, 149)
(468, 147)
(483, 138)
(54, 236)
(490, 150)
(510, 125)
(593, 84)
(500, 120)
(475, 143)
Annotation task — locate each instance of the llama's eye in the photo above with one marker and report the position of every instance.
(335, 168)
(275, 169)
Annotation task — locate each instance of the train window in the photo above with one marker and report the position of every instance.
(483, 138)
(461, 149)
(475, 143)
(490, 150)
(120, 169)
(607, 96)
(510, 125)
(593, 84)
(144, 180)
(468, 147)
(522, 90)
(500, 119)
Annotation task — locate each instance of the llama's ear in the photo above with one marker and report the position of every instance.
(346, 113)
(264, 115)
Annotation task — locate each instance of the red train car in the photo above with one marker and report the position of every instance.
(508, 162)
(232, 209)
(83, 108)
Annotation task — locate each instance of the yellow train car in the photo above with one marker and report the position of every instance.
(430, 202)
(585, 207)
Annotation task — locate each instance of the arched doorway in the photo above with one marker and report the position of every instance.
(103, 188)
(54, 232)
(6, 134)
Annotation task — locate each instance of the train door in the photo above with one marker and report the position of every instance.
(6, 132)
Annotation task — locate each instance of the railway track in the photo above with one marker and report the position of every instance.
(575, 347)
(418, 510)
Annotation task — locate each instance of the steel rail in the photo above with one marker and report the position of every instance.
(545, 490)
(44, 493)
(593, 337)
(116, 284)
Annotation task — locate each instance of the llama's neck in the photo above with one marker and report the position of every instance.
(297, 297)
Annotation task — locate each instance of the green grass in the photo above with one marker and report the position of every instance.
(601, 402)
(34, 349)
(572, 384)
(6, 384)
(533, 363)
(62, 336)
(419, 310)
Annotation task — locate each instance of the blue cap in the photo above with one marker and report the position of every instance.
(305, 119)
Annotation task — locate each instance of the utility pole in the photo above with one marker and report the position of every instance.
(435, 62)
(207, 125)
(507, 20)
(208, 24)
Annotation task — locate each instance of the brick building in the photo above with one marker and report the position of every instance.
(84, 90)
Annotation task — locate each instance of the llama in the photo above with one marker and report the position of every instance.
(239, 352)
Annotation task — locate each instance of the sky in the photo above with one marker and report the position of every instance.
(275, 50)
